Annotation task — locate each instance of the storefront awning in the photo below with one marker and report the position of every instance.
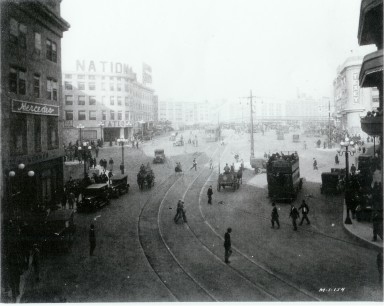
(371, 73)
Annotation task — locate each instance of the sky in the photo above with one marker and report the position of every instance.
(218, 49)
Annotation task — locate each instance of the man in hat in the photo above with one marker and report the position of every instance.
(294, 215)
(209, 194)
(304, 211)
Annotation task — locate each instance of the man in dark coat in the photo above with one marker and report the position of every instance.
(304, 211)
(209, 194)
(92, 240)
(336, 159)
(315, 164)
(227, 245)
(275, 216)
(294, 215)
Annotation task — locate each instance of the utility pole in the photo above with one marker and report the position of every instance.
(252, 141)
(329, 125)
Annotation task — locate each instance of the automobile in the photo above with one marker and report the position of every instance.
(331, 183)
(94, 196)
(119, 185)
(178, 143)
(59, 230)
(259, 164)
(159, 156)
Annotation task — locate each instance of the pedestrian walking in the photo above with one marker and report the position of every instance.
(92, 240)
(336, 159)
(180, 212)
(353, 169)
(137, 144)
(275, 216)
(194, 164)
(36, 262)
(304, 212)
(227, 245)
(90, 163)
(377, 223)
(294, 215)
(364, 150)
(210, 164)
(97, 151)
(110, 174)
(64, 199)
(71, 200)
(315, 164)
(111, 164)
(94, 162)
(209, 194)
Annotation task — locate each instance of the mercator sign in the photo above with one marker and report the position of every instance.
(34, 108)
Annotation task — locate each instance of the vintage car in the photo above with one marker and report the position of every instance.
(159, 156)
(296, 138)
(178, 143)
(119, 185)
(331, 182)
(59, 230)
(93, 197)
(259, 164)
(228, 180)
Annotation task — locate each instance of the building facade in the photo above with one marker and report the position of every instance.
(350, 101)
(105, 99)
(31, 129)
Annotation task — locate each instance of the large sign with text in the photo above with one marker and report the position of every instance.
(103, 67)
(34, 108)
(356, 87)
(117, 123)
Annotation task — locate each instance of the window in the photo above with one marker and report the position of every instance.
(19, 134)
(37, 43)
(92, 115)
(126, 115)
(112, 115)
(81, 115)
(92, 86)
(67, 76)
(119, 87)
(112, 100)
(111, 87)
(126, 101)
(103, 100)
(103, 86)
(103, 115)
(13, 80)
(68, 100)
(68, 86)
(69, 115)
(119, 101)
(81, 76)
(80, 86)
(52, 132)
(126, 87)
(92, 100)
(37, 133)
(51, 89)
(51, 50)
(17, 81)
(18, 33)
(81, 100)
(92, 77)
(36, 86)
(119, 115)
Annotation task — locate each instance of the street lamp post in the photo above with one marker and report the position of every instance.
(101, 125)
(122, 141)
(85, 149)
(80, 127)
(345, 144)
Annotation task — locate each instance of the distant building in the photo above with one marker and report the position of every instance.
(105, 98)
(31, 112)
(308, 109)
(350, 101)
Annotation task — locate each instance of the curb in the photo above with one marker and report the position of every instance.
(367, 243)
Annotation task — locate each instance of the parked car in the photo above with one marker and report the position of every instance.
(159, 156)
(94, 196)
(59, 230)
(119, 185)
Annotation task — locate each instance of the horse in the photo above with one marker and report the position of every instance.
(240, 176)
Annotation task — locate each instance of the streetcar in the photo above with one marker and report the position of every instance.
(212, 133)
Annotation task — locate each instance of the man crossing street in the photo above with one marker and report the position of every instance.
(209, 194)
(304, 211)
(294, 215)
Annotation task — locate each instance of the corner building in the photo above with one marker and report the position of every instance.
(31, 129)
(106, 98)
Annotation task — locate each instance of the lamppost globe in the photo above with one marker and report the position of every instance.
(21, 166)
(353, 150)
(351, 143)
(346, 139)
(342, 143)
(31, 173)
(12, 173)
(79, 148)
(89, 147)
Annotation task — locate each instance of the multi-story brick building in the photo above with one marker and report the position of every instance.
(31, 129)
(105, 98)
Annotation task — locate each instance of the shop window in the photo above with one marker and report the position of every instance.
(92, 100)
(103, 115)
(81, 100)
(112, 115)
(119, 115)
(81, 115)
(37, 133)
(52, 132)
(92, 115)
(69, 115)
(68, 86)
(19, 134)
(68, 100)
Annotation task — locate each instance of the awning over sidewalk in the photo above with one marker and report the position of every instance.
(371, 73)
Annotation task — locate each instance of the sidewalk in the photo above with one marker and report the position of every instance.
(363, 232)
